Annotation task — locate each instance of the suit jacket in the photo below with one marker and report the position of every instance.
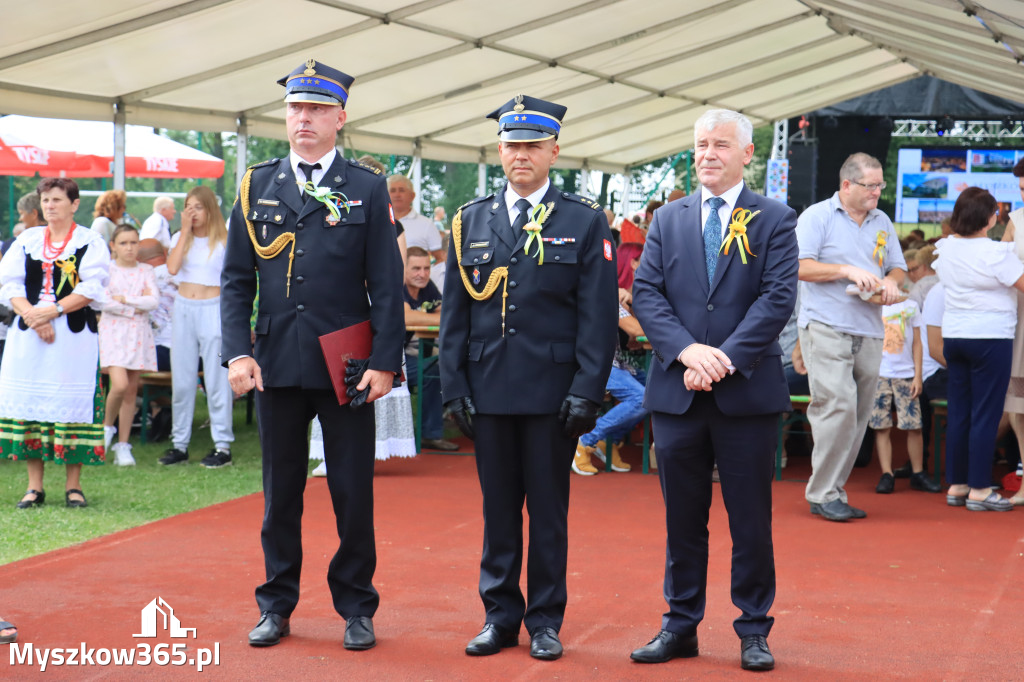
(560, 317)
(342, 274)
(742, 312)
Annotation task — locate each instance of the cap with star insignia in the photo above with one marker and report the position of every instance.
(317, 83)
(528, 119)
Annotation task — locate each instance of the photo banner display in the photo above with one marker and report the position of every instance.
(929, 180)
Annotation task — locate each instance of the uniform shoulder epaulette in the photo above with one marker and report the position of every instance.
(268, 162)
(476, 201)
(583, 200)
(359, 164)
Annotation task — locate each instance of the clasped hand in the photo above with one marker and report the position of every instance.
(705, 365)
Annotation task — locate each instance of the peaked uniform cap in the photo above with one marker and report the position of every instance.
(528, 119)
(316, 82)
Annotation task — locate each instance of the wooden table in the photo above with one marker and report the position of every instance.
(423, 335)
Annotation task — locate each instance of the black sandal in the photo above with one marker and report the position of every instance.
(68, 502)
(40, 498)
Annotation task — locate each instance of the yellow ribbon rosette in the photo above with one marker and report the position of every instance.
(67, 272)
(879, 252)
(538, 214)
(741, 217)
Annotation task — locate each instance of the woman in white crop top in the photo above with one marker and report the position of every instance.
(196, 260)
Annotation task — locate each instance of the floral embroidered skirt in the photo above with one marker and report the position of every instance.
(56, 442)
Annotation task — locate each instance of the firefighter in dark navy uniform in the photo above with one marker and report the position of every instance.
(527, 338)
(319, 233)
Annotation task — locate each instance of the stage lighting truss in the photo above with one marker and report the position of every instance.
(952, 128)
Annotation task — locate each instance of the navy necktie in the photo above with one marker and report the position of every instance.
(712, 237)
(524, 217)
(307, 169)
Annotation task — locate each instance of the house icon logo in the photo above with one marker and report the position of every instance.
(158, 615)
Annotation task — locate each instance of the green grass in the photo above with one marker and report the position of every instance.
(126, 497)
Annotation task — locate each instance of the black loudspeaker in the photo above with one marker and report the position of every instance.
(841, 136)
(803, 174)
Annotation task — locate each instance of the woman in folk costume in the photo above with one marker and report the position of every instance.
(50, 406)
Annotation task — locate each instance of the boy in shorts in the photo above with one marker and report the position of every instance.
(899, 385)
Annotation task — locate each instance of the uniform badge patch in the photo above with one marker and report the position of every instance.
(476, 275)
(607, 250)
(391, 212)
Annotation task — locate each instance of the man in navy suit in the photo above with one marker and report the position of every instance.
(716, 285)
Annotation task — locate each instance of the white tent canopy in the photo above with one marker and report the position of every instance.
(634, 74)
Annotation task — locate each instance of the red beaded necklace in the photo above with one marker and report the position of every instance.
(49, 251)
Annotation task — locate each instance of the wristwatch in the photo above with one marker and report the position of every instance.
(60, 309)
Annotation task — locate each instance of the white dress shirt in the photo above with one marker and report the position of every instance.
(511, 198)
(318, 173)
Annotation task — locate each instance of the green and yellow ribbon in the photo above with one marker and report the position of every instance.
(327, 197)
(879, 252)
(538, 214)
(741, 217)
(67, 272)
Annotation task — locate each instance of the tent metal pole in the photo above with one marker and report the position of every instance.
(481, 174)
(417, 176)
(12, 206)
(118, 170)
(241, 149)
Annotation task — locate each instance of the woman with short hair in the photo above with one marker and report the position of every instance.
(109, 211)
(979, 276)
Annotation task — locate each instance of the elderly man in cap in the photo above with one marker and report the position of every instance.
(527, 338)
(319, 231)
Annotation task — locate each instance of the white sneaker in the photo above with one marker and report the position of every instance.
(108, 435)
(321, 470)
(123, 455)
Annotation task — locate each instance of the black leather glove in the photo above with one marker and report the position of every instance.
(462, 411)
(354, 371)
(578, 416)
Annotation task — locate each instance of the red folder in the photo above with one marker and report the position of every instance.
(338, 347)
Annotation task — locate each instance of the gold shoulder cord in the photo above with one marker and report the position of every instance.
(497, 274)
(277, 246)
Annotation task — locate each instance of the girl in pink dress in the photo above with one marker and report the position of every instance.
(126, 337)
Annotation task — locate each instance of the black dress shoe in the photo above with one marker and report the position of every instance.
(269, 631)
(666, 646)
(544, 644)
(492, 639)
(903, 472)
(68, 502)
(755, 654)
(836, 510)
(359, 634)
(37, 501)
(921, 481)
(886, 484)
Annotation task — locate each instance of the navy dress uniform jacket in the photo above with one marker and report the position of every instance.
(337, 270)
(560, 319)
(742, 312)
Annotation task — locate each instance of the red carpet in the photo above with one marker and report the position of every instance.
(918, 590)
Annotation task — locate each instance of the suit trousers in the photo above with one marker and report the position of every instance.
(843, 373)
(284, 417)
(689, 446)
(524, 457)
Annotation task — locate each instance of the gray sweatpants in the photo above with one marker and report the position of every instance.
(195, 333)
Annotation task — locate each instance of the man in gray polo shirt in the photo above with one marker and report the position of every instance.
(844, 240)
